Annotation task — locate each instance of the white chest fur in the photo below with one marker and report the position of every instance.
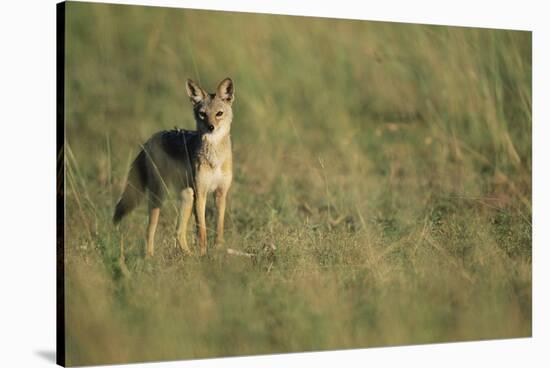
(213, 156)
(213, 178)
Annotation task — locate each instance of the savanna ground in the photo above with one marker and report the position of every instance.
(388, 164)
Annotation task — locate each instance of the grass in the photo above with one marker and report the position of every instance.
(389, 164)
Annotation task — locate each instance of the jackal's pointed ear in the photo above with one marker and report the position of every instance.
(195, 92)
(226, 90)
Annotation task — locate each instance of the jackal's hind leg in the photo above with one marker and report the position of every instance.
(185, 213)
(121, 259)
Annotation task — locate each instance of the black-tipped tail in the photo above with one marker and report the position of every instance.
(135, 188)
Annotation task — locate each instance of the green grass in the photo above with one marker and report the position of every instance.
(389, 164)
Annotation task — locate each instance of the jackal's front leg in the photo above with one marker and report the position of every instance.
(151, 228)
(185, 212)
(221, 196)
(200, 208)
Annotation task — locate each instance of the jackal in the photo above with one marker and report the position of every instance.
(194, 163)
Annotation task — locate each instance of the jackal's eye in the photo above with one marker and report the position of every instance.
(202, 115)
(219, 113)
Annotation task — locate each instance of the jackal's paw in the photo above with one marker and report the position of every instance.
(124, 271)
(183, 247)
(185, 251)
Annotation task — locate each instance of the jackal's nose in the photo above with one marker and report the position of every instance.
(210, 127)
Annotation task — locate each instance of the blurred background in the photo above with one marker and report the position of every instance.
(388, 164)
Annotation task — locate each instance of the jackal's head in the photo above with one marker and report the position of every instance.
(212, 111)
